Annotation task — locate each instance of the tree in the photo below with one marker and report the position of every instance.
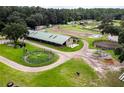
(121, 38)
(121, 57)
(107, 27)
(110, 29)
(54, 16)
(120, 51)
(38, 18)
(2, 25)
(122, 23)
(16, 17)
(14, 31)
(31, 22)
(105, 22)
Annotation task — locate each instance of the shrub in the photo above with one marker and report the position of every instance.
(118, 51)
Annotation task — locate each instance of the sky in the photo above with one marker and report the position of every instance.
(65, 3)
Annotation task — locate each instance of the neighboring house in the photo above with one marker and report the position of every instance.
(40, 28)
(52, 38)
(113, 38)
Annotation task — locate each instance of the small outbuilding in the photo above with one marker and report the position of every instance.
(52, 38)
(38, 28)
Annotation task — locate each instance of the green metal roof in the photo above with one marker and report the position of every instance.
(47, 36)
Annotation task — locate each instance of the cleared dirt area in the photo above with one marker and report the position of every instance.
(57, 29)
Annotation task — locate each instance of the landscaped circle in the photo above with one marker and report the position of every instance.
(106, 44)
(40, 57)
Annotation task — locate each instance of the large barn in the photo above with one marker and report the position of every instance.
(53, 38)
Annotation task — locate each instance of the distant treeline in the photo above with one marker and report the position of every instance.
(34, 16)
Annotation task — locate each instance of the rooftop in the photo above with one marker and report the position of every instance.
(50, 37)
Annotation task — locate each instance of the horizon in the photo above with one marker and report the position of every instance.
(85, 7)
(67, 4)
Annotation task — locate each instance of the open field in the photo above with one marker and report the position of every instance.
(77, 28)
(64, 75)
(90, 26)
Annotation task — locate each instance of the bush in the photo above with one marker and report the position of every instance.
(118, 51)
(121, 57)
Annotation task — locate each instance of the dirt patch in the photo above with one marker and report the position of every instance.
(57, 29)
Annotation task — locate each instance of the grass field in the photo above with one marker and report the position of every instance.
(61, 48)
(112, 79)
(64, 75)
(18, 54)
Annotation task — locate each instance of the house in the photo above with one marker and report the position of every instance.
(52, 38)
(113, 38)
(40, 27)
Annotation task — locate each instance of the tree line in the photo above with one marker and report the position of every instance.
(35, 16)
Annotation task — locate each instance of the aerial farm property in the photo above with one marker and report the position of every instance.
(61, 50)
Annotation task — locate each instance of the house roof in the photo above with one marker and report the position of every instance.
(47, 36)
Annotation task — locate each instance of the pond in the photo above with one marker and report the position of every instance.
(106, 44)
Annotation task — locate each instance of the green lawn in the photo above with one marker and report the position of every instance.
(18, 54)
(63, 75)
(61, 48)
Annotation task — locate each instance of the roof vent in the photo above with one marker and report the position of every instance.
(54, 37)
(50, 36)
